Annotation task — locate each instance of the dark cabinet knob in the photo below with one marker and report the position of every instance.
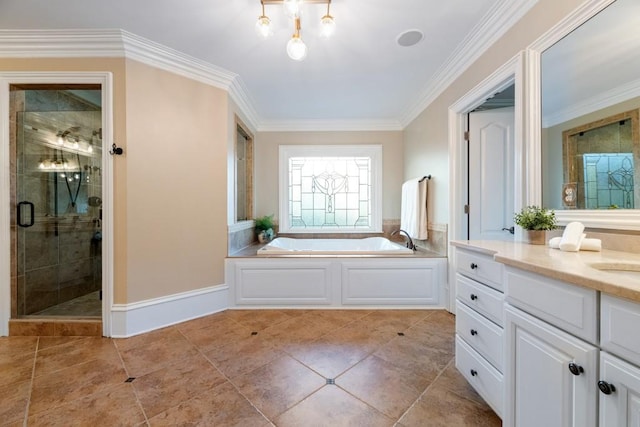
(474, 373)
(575, 369)
(605, 387)
(474, 297)
(474, 332)
(473, 265)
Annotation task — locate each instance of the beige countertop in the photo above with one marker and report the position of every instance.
(571, 267)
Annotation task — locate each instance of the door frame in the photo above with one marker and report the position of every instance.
(105, 79)
(512, 72)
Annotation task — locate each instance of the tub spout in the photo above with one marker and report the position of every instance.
(410, 244)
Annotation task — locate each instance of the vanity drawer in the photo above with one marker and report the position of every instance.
(619, 326)
(481, 298)
(569, 307)
(483, 377)
(480, 267)
(483, 335)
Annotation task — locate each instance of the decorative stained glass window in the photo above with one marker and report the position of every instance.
(608, 180)
(330, 188)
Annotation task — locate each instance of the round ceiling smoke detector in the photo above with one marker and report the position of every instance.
(410, 38)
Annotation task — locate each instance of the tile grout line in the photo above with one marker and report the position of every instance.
(426, 389)
(33, 374)
(224, 376)
(135, 391)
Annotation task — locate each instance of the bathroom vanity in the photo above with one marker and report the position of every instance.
(548, 337)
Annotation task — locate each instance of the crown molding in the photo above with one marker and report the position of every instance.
(602, 100)
(495, 23)
(115, 43)
(329, 125)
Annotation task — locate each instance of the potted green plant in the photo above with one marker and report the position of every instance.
(264, 228)
(536, 221)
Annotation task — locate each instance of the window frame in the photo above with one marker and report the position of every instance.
(373, 151)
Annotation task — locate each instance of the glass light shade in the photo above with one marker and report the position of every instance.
(292, 7)
(263, 27)
(327, 26)
(296, 49)
(60, 140)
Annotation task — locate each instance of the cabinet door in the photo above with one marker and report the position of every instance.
(622, 406)
(543, 391)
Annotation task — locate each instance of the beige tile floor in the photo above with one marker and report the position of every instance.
(247, 368)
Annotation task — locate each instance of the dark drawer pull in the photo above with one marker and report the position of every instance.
(473, 265)
(474, 373)
(474, 297)
(474, 332)
(575, 369)
(605, 387)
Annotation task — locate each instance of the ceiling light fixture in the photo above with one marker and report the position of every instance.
(296, 48)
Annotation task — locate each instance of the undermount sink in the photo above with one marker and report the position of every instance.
(628, 269)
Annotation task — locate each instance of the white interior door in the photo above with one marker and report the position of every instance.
(491, 174)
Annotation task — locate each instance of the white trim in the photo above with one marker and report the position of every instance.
(373, 151)
(111, 43)
(594, 103)
(623, 219)
(5, 212)
(144, 316)
(495, 23)
(510, 73)
(105, 80)
(330, 125)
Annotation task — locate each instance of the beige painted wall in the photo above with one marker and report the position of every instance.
(426, 138)
(266, 164)
(176, 183)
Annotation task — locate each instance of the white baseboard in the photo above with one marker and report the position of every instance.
(144, 316)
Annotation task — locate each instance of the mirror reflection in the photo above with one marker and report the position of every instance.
(590, 103)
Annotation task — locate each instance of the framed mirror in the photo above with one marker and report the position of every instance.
(589, 101)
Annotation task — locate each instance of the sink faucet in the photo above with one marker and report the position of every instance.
(410, 244)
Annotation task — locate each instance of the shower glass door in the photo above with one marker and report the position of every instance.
(58, 193)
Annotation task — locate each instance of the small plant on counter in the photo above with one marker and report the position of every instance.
(264, 227)
(536, 218)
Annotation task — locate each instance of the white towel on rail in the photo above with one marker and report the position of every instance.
(413, 211)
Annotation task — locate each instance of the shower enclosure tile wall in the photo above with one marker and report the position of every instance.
(55, 164)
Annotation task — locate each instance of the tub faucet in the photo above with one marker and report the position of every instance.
(410, 244)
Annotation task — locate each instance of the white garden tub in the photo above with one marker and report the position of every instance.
(367, 246)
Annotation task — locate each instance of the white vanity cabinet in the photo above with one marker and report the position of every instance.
(619, 380)
(480, 323)
(551, 375)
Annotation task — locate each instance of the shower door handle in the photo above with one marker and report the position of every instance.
(31, 214)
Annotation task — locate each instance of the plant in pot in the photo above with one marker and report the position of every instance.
(536, 221)
(264, 228)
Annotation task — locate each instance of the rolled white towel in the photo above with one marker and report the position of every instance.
(554, 243)
(591, 245)
(572, 237)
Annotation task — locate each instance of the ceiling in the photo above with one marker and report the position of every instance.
(360, 74)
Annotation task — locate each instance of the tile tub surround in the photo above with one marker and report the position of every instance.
(570, 267)
(387, 367)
